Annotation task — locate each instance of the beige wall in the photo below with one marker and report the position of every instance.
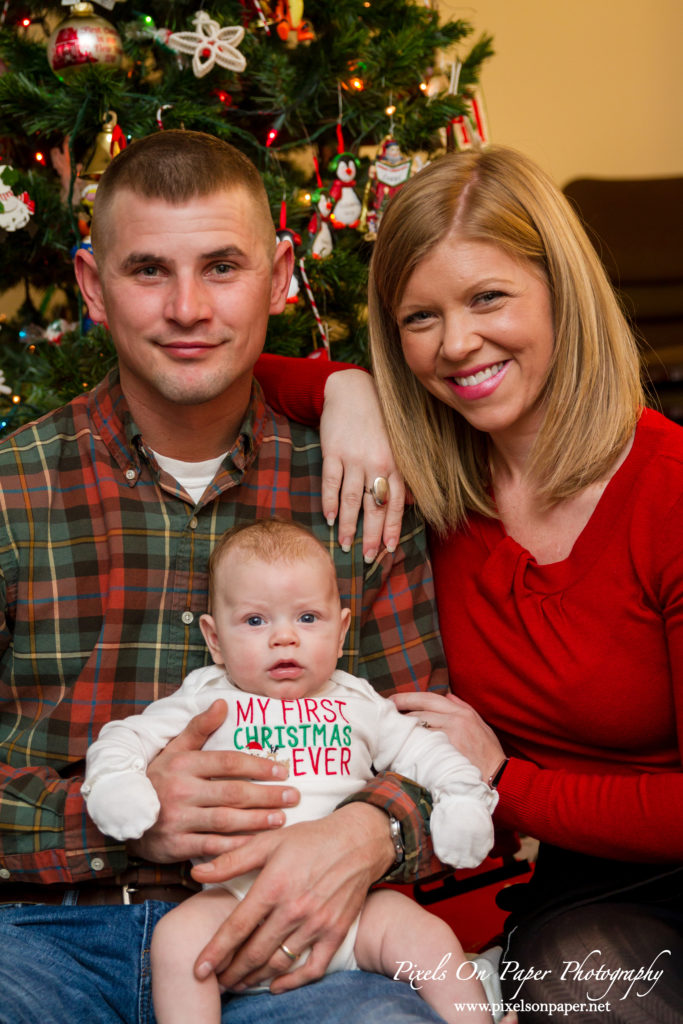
(588, 88)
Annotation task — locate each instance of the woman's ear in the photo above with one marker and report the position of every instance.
(88, 277)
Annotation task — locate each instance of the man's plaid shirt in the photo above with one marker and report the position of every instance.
(103, 578)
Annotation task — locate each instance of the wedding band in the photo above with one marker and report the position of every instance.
(285, 949)
(379, 491)
(425, 725)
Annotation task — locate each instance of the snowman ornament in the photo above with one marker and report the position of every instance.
(347, 205)
(14, 210)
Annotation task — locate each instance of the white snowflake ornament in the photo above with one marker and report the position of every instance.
(4, 390)
(210, 45)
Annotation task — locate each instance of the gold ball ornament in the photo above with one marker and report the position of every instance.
(81, 39)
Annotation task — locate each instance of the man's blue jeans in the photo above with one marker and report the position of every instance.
(90, 965)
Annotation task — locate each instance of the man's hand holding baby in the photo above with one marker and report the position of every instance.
(312, 882)
(208, 799)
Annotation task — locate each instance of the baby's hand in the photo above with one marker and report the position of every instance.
(123, 805)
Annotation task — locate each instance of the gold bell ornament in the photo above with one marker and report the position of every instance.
(109, 141)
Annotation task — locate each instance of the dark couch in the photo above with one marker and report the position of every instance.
(637, 228)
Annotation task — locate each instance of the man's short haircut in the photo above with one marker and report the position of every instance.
(176, 166)
(267, 540)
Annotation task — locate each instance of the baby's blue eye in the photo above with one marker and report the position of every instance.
(255, 620)
(308, 617)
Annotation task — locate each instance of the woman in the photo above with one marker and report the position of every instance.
(510, 385)
(509, 381)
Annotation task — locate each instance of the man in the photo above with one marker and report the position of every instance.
(109, 510)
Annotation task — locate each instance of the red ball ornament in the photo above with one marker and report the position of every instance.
(81, 39)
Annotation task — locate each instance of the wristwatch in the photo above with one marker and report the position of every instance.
(397, 839)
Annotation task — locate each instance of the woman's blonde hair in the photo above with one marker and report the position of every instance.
(592, 395)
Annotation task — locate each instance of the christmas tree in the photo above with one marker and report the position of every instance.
(336, 105)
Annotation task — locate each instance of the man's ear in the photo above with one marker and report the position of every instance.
(283, 267)
(208, 628)
(88, 277)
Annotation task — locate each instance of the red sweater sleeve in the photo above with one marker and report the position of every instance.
(296, 387)
(625, 817)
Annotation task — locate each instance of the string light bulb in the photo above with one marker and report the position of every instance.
(275, 130)
(355, 82)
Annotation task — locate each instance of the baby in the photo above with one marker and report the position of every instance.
(275, 632)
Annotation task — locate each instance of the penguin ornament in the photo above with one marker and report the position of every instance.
(347, 205)
(319, 225)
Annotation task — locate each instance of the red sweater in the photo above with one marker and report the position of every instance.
(578, 665)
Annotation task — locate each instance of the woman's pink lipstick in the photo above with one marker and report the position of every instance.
(479, 381)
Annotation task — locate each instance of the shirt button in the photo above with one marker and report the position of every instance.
(187, 618)
(97, 864)
(130, 474)
(4, 873)
(193, 524)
